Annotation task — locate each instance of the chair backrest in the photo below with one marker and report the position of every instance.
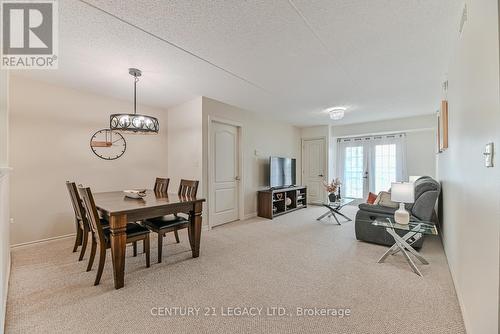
(91, 210)
(76, 201)
(426, 194)
(188, 188)
(161, 185)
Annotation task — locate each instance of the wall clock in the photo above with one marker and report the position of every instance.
(107, 144)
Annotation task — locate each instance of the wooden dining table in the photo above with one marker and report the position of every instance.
(120, 210)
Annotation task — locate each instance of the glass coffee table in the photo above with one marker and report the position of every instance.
(416, 229)
(334, 209)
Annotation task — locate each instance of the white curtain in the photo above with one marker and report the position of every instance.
(376, 150)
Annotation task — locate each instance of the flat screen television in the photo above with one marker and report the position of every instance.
(281, 172)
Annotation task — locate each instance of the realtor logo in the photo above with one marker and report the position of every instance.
(29, 34)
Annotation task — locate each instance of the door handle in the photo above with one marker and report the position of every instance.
(237, 178)
(320, 175)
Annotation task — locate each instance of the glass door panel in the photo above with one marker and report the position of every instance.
(354, 172)
(385, 167)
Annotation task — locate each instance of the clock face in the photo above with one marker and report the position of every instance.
(107, 144)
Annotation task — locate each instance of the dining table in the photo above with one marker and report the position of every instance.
(119, 210)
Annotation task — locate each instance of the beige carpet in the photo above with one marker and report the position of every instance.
(293, 261)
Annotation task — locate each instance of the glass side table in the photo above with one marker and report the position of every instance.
(416, 229)
(334, 209)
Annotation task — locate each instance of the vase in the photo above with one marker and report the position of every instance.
(332, 197)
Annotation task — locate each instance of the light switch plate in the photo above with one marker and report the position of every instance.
(488, 155)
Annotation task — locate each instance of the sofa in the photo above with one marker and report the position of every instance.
(426, 194)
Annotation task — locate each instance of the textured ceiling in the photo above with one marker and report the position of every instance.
(290, 59)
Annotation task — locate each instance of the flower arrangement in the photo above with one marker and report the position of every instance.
(333, 186)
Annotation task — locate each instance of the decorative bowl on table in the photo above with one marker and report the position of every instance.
(135, 193)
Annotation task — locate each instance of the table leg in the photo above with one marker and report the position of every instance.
(118, 226)
(324, 215)
(336, 219)
(194, 228)
(410, 262)
(407, 236)
(389, 251)
(405, 245)
(347, 218)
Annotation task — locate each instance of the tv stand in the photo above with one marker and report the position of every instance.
(273, 202)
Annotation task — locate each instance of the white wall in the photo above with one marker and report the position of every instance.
(184, 143)
(420, 139)
(261, 138)
(50, 130)
(471, 192)
(4, 195)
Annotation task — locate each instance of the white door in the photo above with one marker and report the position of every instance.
(314, 169)
(225, 179)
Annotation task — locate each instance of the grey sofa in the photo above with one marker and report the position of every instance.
(426, 194)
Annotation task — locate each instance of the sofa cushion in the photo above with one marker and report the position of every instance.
(385, 200)
(371, 198)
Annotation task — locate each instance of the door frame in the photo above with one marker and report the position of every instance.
(241, 203)
(325, 166)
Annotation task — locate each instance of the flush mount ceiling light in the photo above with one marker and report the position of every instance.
(336, 113)
(134, 122)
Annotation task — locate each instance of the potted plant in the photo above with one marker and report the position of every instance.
(332, 188)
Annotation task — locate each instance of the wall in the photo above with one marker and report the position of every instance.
(420, 139)
(184, 142)
(471, 192)
(4, 195)
(261, 138)
(49, 143)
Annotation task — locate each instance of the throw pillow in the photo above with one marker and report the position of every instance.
(385, 200)
(371, 198)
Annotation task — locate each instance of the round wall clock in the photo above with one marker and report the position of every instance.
(107, 144)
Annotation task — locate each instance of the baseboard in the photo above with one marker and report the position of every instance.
(250, 215)
(41, 241)
(6, 290)
(459, 295)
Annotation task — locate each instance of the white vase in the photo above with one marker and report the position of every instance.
(401, 216)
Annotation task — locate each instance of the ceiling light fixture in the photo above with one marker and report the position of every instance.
(336, 113)
(134, 122)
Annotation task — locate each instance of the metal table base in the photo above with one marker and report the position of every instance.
(334, 211)
(402, 245)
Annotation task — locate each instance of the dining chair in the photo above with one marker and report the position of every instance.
(81, 221)
(161, 185)
(160, 188)
(172, 223)
(101, 236)
(81, 228)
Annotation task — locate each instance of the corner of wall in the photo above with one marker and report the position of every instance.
(5, 260)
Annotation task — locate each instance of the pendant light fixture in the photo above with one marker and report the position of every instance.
(134, 122)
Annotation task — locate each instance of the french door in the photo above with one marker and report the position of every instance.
(370, 164)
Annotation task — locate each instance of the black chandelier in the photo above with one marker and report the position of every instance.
(134, 122)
